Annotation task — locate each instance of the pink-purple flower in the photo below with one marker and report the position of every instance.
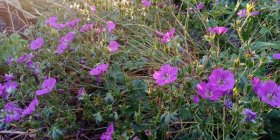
(64, 42)
(218, 30)
(86, 28)
(276, 56)
(47, 86)
(168, 36)
(53, 22)
(73, 23)
(113, 46)
(111, 26)
(242, 13)
(9, 77)
(146, 3)
(269, 92)
(81, 92)
(38, 43)
(200, 6)
(13, 113)
(92, 9)
(222, 79)
(196, 99)
(99, 69)
(249, 115)
(207, 91)
(109, 133)
(30, 108)
(166, 75)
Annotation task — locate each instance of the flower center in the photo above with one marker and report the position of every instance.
(221, 82)
(209, 93)
(166, 76)
(270, 96)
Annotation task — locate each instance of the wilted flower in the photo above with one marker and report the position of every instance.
(109, 133)
(146, 3)
(13, 113)
(99, 69)
(111, 26)
(200, 6)
(222, 79)
(242, 13)
(168, 36)
(47, 86)
(276, 56)
(207, 91)
(113, 46)
(86, 28)
(218, 30)
(196, 99)
(167, 74)
(249, 115)
(37, 44)
(269, 92)
(31, 107)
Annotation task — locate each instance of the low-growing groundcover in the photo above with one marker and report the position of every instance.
(144, 69)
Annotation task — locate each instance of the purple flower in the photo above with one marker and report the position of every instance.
(278, 1)
(22, 58)
(9, 77)
(108, 134)
(31, 107)
(242, 13)
(52, 21)
(207, 91)
(249, 115)
(86, 28)
(146, 3)
(99, 69)
(254, 13)
(64, 42)
(113, 46)
(167, 74)
(10, 86)
(136, 138)
(111, 26)
(256, 82)
(222, 79)
(228, 103)
(47, 86)
(200, 6)
(81, 92)
(73, 23)
(13, 113)
(69, 37)
(10, 60)
(148, 132)
(37, 44)
(218, 30)
(168, 36)
(29, 61)
(92, 9)
(269, 92)
(276, 56)
(196, 99)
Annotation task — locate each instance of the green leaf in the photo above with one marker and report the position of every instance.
(265, 45)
